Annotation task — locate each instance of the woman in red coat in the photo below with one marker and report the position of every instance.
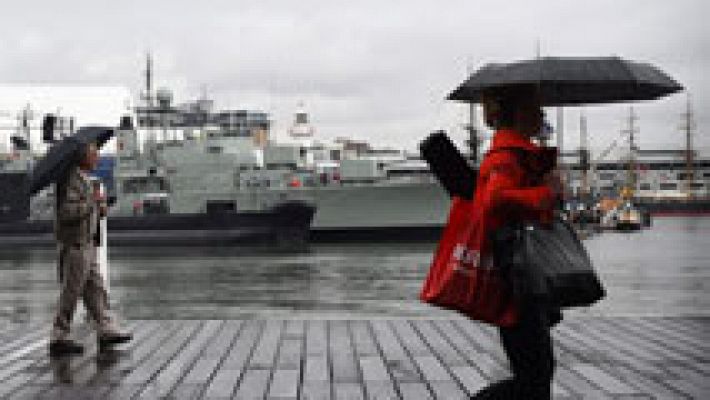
(517, 183)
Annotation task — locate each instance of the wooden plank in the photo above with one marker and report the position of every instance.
(438, 344)
(373, 369)
(439, 380)
(396, 359)
(580, 386)
(489, 343)
(650, 348)
(206, 364)
(17, 343)
(38, 377)
(290, 354)
(316, 373)
(140, 377)
(691, 375)
(362, 338)
(341, 355)
(243, 346)
(575, 338)
(348, 391)
(690, 327)
(574, 383)
(604, 380)
(377, 381)
(316, 369)
(138, 353)
(380, 391)
(163, 383)
(187, 392)
(690, 389)
(685, 344)
(315, 391)
(220, 344)
(432, 369)
(599, 358)
(625, 343)
(295, 329)
(673, 330)
(166, 349)
(265, 352)
(225, 381)
(284, 384)
(411, 341)
(73, 392)
(682, 349)
(253, 385)
(414, 391)
(316, 338)
(483, 362)
(447, 390)
(101, 361)
(470, 378)
(25, 349)
(643, 382)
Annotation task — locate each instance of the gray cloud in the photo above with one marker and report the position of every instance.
(377, 70)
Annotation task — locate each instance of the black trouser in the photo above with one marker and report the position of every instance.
(528, 346)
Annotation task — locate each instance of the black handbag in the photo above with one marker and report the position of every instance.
(548, 263)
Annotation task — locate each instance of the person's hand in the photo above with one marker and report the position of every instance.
(100, 200)
(103, 209)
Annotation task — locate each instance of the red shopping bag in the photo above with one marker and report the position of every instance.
(460, 278)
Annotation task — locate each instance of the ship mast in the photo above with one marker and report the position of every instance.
(474, 140)
(631, 172)
(148, 95)
(687, 126)
(583, 155)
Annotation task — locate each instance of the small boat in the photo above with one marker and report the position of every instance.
(625, 217)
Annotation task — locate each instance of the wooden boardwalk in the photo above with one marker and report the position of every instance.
(598, 358)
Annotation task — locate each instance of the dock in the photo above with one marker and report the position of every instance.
(598, 358)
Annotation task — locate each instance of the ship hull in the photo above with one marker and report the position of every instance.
(416, 211)
(287, 224)
(677, 207)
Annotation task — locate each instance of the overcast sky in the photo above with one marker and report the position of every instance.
(375, 70)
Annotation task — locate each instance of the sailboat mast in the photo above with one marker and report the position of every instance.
(584, 154)
(632, 150)
(689, 165)
(472, 133)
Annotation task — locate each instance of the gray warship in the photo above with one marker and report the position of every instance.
(169, 193)
(197, 159)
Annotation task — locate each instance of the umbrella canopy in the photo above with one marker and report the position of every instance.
(572, 81)
(63, 154)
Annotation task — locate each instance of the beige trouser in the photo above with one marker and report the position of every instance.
(79, 276)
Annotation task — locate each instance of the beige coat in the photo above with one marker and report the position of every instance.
(76, 212)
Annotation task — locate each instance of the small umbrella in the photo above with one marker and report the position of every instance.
(572, 81)
(63, 154)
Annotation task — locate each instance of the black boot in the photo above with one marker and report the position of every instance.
(64, 347)
(108, 339)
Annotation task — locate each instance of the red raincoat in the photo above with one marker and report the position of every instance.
(509, 192)
(462, 276)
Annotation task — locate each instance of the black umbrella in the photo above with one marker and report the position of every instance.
(63, 154)
(571, 81)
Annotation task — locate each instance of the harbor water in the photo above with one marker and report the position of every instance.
(661, 271)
